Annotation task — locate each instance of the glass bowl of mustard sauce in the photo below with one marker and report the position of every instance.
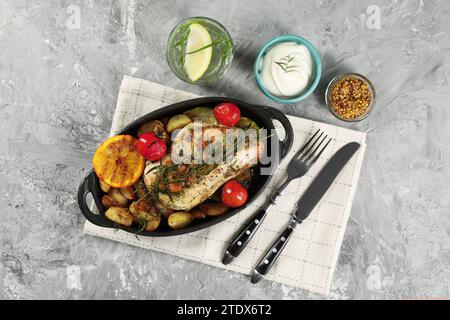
(350, 97)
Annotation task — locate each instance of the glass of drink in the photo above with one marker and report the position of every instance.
(199, 50)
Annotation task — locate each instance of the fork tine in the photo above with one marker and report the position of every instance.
(307, 154)
(312, 153)
(320, 152)
(306, 144)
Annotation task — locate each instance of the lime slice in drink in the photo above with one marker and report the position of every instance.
(198, 52)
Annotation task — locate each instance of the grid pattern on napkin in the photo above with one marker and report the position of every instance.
(309, 259)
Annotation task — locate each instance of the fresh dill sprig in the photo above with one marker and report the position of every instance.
(285, 64)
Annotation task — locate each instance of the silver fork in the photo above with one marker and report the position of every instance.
(300, 164)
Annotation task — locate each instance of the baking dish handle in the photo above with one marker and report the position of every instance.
(286, 143)
(84, 189)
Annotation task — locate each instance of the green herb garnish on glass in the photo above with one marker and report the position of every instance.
(199, 50)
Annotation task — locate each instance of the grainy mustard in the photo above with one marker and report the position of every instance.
(350, 98)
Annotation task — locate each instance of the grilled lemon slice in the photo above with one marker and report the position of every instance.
(117, 162)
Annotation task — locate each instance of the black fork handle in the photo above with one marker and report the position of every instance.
(243, 237)
(86, 187)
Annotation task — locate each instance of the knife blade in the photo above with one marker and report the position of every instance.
(305, 205)
(322, 182)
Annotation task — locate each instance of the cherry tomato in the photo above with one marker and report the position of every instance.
(151, 147)
(227, 113)
(234, 194)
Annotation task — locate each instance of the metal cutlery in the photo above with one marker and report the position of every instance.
(315, 191)
(303, 160)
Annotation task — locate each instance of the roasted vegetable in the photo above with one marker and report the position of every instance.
(117, 196)
(166, 212)
(151, 147)
(227, 113)
(198, 214)
(199, 112)
(108, 202)
(155, 126)
(140, 189)
(105, 187)
(128, 193)
(234, 194)
(213, 209)
(145, 215)
(180, 219)
(141, 210)
(153, 224)
(119, 215)
(246, 123)
(245, 176)
(177, 122)
(204, 114)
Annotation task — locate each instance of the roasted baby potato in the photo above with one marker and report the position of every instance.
(155, 126)
(199, 112)
(213, 209)
(105, 187)
(204, 114)
(108, 202)
(128, 193)
(207, 120)
(179, 220)
(117, 196)
(141, 210)
(177, 122)
(119, 215)
(153, 223)
(166, 212)
(140, 189)
(244, 176)
(198, 214)
(246, 123)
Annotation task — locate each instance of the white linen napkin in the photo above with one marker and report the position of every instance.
(309, 259)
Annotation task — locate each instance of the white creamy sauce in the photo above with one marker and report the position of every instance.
(287, 69)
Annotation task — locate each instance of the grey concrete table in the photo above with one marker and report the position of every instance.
(61, 64)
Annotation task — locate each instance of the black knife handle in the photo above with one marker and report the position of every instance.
(273, 253)
(244, 236)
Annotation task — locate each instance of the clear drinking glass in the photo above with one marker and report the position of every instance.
(222, 50)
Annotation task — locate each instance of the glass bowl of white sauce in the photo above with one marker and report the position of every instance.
(288, 69)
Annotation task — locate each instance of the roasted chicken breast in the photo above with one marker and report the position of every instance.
(196, 188)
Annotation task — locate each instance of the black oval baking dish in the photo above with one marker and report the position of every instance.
(263, 115)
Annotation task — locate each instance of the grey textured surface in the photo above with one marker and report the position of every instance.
(57, 95)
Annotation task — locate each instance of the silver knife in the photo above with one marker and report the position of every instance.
(305, 205)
